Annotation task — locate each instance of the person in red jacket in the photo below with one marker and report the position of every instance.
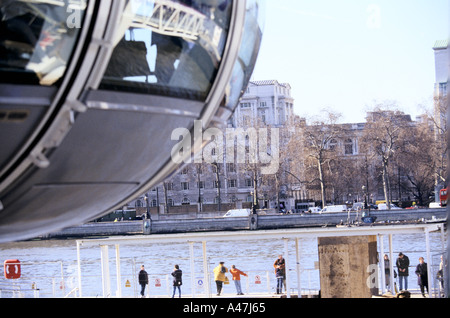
(237, 278)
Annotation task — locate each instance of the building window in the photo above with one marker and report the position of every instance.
(232, 183)
(249, 183)
(231, 167)
(186, 201)
(170, 202)
(184, 185)
(348, 147)
(154, 203)
(201, 184)
(443, 89)
(246, 105)
(217, 184)
(332, 144)
(169, 186)
(263, 104)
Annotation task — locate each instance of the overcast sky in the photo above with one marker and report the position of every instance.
(345, 54)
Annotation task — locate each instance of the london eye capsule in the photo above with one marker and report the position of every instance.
(90, 92)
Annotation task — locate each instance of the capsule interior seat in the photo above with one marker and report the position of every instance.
(91, 91)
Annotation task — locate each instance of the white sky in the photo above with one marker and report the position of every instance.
(344, 54)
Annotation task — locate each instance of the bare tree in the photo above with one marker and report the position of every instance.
(319, 144)
(419, 159)
(382, 139)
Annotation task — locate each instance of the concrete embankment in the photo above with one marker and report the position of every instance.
(259, 222)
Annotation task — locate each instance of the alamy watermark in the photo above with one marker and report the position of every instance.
(374, 16)
(75, 10)
(234, 145)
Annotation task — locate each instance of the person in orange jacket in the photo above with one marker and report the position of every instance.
(237, 278)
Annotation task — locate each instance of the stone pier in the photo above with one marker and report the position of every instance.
(345, 265)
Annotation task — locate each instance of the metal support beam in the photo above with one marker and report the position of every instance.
(298, 247)
(206, 271)
(118, 275)
(429, 262)
(382, 269)
(192, 264)
(286, 262)
(391, 267)
(106, 279)
(79, 267)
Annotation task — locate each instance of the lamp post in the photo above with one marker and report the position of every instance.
(146, 198)
(147, 226)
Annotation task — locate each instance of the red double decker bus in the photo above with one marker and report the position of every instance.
(443, 196)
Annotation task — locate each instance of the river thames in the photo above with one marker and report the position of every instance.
(51, 266)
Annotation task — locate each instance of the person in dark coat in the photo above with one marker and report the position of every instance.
(422, 275)
(403, 273)
(177, 281)
(143, 280)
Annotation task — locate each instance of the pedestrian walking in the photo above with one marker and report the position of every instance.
(403, 270)
(219, 276)
(236, 273)
(143, 280)
(280, 273)
(422, 275)
(177, 280)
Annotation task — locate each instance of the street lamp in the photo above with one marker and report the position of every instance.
(146, 198)
(366, 194)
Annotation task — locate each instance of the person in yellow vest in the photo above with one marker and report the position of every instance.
(220, 277)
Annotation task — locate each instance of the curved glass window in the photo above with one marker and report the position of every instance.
(251, 42)
(169, 47)
(37, 38)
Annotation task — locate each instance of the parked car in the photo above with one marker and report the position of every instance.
(383, 206)
(237, 213)
(434, 205)
(314, 209)
(358, 206)
(334, 208)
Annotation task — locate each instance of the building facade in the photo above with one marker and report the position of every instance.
(225, 182)
(228, 182)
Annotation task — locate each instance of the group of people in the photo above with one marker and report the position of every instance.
(279, 265)
(220, 278)
(402, 264)
(177, 274)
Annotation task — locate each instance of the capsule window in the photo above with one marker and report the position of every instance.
(37, 39)
(171, 48)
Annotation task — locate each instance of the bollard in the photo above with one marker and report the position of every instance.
(147, 227)
(253, 222)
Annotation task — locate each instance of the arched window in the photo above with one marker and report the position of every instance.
(332, 145)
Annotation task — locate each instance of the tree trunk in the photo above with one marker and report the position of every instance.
(322, 183)
(386, 185)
